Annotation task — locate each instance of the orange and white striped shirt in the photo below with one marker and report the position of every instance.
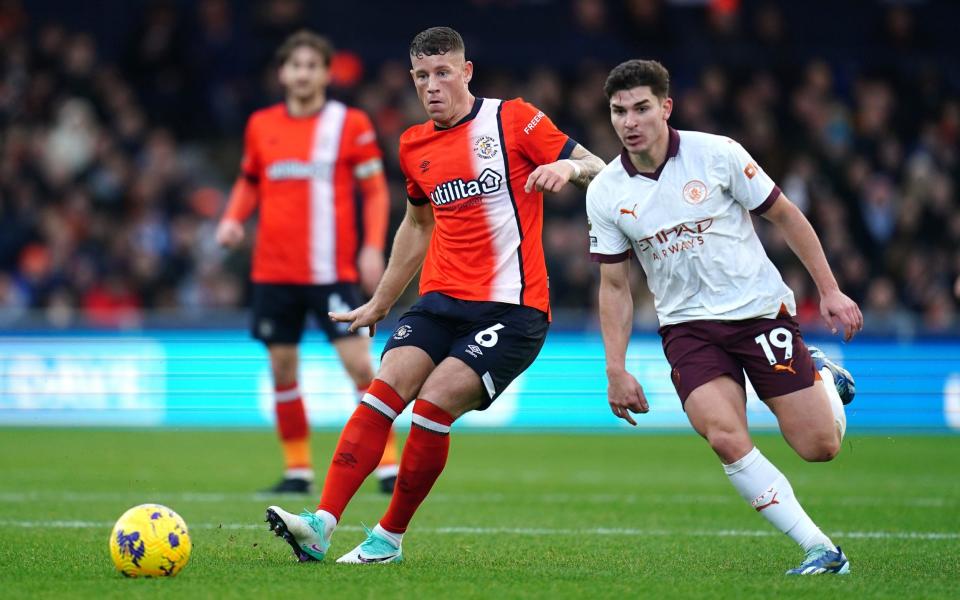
(305, 171)
(487, 242)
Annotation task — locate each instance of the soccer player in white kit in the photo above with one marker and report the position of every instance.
(680, 201)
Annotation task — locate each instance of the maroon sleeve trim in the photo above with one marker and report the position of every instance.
(771, 198)
(609, 258)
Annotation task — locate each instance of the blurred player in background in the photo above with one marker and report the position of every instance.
(475, 175)
(681, 202)
(303, 161)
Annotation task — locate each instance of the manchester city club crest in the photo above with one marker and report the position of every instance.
(485, 147)
(694, 192)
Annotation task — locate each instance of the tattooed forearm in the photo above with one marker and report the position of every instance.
(586, 166)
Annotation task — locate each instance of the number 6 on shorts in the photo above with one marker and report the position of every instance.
(488, 338)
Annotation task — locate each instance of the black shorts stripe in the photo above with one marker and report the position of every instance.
(513, 200)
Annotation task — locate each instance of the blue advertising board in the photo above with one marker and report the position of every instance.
(222, 379)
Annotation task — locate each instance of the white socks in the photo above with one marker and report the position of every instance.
(393, 538)
(769, 492)
(836, 404)
(329, 522)
(299, 473)
(386, 471)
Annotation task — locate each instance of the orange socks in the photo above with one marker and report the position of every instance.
(293, 430)
(361, 446)
(424, 456)
(387, 467)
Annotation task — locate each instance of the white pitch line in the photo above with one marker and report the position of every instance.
(558, 498)
(589, 531)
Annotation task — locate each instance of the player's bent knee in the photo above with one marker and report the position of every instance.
(360, 371)
(405, 369)
(730, 446)
(824, 449)
(456, 402)
(283, 364)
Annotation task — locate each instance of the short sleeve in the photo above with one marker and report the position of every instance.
(607, 242)
(747, 182)
(415, 195)
(538, 138)
(250, 163)
(361, 143)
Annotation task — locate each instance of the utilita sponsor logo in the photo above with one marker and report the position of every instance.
(488, 182)
(298, 169)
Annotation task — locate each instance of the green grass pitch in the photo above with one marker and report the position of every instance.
(515, 515)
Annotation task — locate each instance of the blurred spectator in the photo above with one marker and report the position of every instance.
(882, 314)
(117, 149)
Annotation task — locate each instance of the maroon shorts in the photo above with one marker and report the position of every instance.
(771, 351)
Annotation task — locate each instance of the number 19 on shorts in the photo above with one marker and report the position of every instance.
(779, 338)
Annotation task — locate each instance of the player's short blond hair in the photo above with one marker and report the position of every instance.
(436, 40)
(305, 38)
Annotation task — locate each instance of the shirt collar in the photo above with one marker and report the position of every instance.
(477, 103)
(673, 147)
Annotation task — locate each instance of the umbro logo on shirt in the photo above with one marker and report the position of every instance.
(424, 166)
(488, 182)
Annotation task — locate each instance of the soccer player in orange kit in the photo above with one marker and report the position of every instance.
(476, 171)
(302, 162)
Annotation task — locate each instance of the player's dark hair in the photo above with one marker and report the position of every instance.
(436, 40)
(637, 73)
(305, 37)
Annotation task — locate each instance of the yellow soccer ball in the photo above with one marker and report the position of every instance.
(150, 540)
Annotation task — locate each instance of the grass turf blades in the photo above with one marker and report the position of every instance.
(514, 515)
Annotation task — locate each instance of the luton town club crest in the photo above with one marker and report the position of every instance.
(485, 147)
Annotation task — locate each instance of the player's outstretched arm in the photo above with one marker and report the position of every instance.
(242, 202)
(624, 392)
(376, 214)
(409, 249)
(579, 169)
(835, 306)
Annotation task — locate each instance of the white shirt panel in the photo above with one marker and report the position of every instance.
(501, 218)
(691, 231)
(323, 229)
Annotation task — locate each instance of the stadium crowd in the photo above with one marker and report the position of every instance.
(116, 158)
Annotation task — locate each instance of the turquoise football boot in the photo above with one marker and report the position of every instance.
(306, 533)
(374, 549)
